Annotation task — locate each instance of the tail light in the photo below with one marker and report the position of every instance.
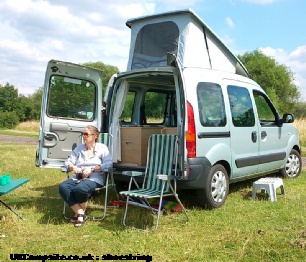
(190, 134)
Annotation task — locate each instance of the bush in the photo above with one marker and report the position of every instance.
(8, 120)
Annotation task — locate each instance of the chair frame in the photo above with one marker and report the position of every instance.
(108, 175)
(165, 179)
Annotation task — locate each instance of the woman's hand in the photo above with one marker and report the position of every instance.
(86, 172)
(76, 170)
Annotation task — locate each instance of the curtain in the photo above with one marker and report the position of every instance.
(115, 125)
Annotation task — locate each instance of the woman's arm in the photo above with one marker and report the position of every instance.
(72, 161)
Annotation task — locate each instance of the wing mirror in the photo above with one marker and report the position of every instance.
(288, 118)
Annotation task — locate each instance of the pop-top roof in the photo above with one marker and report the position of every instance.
(184, 34)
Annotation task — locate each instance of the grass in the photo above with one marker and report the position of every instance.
(300, 125)
(241, 230)
(29, 129)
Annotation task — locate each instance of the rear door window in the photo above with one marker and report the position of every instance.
(71, 98)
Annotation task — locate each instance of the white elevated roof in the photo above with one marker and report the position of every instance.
(184, 34)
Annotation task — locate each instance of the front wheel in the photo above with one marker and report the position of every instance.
(293, 165)
(216, 189)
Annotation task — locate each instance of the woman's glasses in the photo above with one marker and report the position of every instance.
(86, 134)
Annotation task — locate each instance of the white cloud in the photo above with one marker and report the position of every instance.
(260, 2)
(295, 61)
(78, 31)
(229, 22)
(38, 30)
(228, 40)
(173, 4)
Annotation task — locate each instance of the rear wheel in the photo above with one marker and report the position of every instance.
(215, 192)
(293, 165)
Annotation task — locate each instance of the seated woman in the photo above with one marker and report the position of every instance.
(87, 162)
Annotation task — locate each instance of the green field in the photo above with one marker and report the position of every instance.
(241, 230)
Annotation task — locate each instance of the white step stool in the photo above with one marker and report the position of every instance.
(269, 185)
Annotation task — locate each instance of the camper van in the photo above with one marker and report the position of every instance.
(182, 80)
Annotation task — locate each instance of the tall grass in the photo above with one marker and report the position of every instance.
(241, 230)
(300, 125)
(29, 126)
(29, 129)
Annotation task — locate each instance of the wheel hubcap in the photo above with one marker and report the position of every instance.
(218, 186)
(292, 166)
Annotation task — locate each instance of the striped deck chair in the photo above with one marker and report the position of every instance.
(162, 157)
(104, 138)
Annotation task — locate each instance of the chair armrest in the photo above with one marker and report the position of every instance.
(162, 177)
(166, 177)
(64, 169)
(109, 170)
(132, 173)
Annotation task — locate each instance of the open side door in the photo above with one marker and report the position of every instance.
(72, 99)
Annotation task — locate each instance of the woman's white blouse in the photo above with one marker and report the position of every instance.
(101, 157)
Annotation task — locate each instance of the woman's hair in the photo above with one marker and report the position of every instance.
(94, 130)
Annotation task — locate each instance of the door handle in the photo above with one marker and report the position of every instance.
(254, 136)
(263, 135)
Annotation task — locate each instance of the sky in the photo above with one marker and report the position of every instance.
(32, 32)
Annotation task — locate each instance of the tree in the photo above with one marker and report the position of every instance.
(8, 98)
(36, 99)
(299, 110)
(24, 108)
(275, 79)
(108, 71)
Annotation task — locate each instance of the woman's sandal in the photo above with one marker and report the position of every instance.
(74, 219)
(79, 223)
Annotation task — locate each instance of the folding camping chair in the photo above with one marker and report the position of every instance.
(158, 179)
(105, 138)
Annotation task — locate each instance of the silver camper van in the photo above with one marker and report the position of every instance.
(180, 79)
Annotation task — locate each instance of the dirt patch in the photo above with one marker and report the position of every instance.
(19, 140)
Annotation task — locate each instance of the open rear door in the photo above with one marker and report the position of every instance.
(72, 99)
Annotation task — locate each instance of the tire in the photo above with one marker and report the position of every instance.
(215, 192)
(293, 166)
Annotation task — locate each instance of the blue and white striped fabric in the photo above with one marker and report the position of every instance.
(105, 139)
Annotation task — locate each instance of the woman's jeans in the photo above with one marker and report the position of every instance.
(76, 193)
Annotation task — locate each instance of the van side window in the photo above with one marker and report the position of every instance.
(241, 106)
(211, 105)
(266, 112)
(127, 113)
(71, 98)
